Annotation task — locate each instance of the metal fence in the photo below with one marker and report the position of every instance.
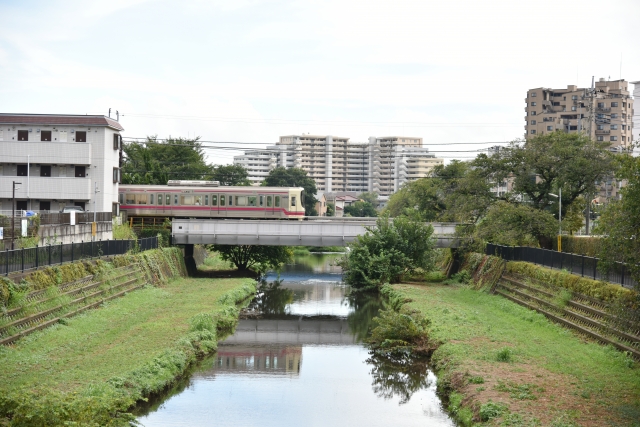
(580, 265)
(30, 258)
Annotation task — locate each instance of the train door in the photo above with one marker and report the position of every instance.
(271, 211)
(262, 200)
(215, 208)
(223, 205)
(167, 204)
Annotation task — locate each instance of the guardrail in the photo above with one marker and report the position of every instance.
(53, 218)
(580, 265)
(31, 258)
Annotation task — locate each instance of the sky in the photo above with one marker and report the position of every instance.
(454, 73)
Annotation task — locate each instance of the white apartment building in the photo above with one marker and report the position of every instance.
(59, 160)
(336, 164)
(636, 117)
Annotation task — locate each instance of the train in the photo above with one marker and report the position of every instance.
(207, 199)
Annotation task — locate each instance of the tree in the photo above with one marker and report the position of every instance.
(620, 222)
(516, 225)
(369, 197)
(156, 162)
(229, 175)
(295, 177)
(255, 258)
(387, 252)
(331, 209)
(545, 163)
(360, 209)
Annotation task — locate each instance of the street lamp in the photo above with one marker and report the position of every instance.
(559, 217)
(13, 214)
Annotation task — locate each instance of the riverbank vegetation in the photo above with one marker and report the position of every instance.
(92, 368)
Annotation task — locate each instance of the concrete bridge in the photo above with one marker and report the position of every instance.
(318, 231)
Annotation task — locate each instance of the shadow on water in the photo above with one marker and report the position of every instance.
(398, 374)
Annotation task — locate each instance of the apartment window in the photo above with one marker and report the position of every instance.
(534, 94)
(573, 127)
(23, 135)
(614, 116)
(600, 127)
(533, 122)
(22, 170)
(45, 170)
(624, 127)
(80, 172)
(613, 138)
(116, 175)
(573, 108)
(81, 136)
(533, 131)
(600, 104)
(533, 104)
(116, 141)
(624, 139)
(45, 206)
(624, 105)
(533, 113)
(614, 127)
(600, 138)
(574, 97)
(614, 104)
(556, 103)
(549, 127)
(45, 135)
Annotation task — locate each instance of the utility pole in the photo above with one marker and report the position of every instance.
(13, 215)
(95, 198)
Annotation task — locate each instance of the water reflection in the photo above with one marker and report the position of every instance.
(398, 375)
(274, 360)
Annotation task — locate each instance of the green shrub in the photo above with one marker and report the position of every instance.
(504, 355)
(202, 322)
(491, 410)
(398, 329)
(596, 289)
(476, 380)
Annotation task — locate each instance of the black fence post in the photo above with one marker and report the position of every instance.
(61, 253)
(71, 251)
(622, 276)
(582, 271)
(50, 253)
(22, 263)
(595, 263)
(37, 255)
(7, 262)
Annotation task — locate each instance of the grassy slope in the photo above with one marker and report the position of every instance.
(113, 340)
(570, 380)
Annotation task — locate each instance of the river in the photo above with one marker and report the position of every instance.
(296, 358)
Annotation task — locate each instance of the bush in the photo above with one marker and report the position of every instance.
(398, 329)
(491, 410)
(504, 355)
(388, 252)
(593, 288)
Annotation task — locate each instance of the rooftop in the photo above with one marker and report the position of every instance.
(58, 120)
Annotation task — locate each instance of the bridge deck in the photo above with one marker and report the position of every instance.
(316, 232)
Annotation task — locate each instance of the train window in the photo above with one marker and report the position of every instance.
(167, 199)
(121, 198)
(198, 200)
(140, 199)
(214, 200)
(187, 200)
(252, 200)
(293, 201)
(151, 199)
(222, 200)
(277, 201)
(269, 201)
(175, 199)
(261, 201)
(206, 200)
(160, 199)
(230, 200)
(241, 200)
(130, 199)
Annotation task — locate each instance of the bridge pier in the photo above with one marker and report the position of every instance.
(189, 261)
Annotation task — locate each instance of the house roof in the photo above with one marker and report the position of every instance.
(58, 119)
(347, 197)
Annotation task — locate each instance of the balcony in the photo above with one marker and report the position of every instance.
(66, 153)
(602, 132)
(47, 188)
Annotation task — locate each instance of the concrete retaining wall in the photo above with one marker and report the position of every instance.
(74, 233)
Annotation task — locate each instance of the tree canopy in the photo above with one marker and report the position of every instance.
(155, 162)
(230, 175)
(295, 177)
(255, 258)
(360, 209)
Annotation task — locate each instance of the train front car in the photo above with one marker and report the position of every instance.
(205, 199)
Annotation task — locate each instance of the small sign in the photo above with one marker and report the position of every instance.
(1, 233)
(94, 228)
(24, 227)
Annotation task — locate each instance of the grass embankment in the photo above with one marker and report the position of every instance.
(92, 369)
(505, 365)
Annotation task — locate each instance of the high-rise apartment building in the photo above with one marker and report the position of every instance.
(605, 112)
(636, 117)
(336, 164)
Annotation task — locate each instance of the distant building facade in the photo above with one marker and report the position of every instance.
(636, 117)
(59, 160)
(383, 164)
